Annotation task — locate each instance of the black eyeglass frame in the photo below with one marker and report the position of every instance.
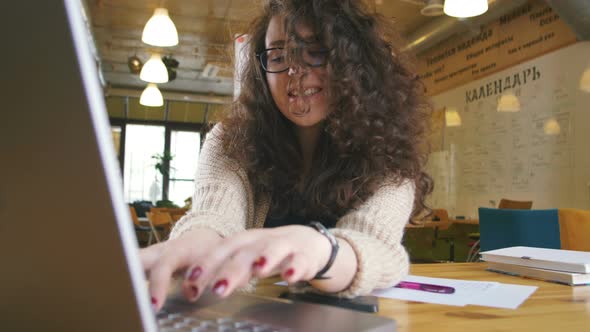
(263, 64)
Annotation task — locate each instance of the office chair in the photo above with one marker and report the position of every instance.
(176, 213)
(515, 205)
(139, 228)
(442, 216)
(504, 204)
(160, 222)
(500, 228)
(574, 229)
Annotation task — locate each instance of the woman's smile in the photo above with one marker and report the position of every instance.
(307, 94)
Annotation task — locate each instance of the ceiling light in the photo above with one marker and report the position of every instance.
(432, 8)
(151, 96)
(465, 8)
(551, 127)
(154, 71)
(452, 117)
(134, 63)
(508, 103)
(585, 80)
(160, 30)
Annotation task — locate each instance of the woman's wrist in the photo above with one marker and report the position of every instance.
(342, 271)
(334, 247)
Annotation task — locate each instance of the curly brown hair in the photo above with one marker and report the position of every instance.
(375, 127)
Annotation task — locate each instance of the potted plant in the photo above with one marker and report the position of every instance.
(162, 164)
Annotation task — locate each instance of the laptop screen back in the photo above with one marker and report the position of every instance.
(67, 245)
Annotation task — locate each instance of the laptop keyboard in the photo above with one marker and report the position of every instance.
(188, 322)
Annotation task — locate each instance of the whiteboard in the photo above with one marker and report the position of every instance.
(495, 155)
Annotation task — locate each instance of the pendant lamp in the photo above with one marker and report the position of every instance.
(154, 71)
(508, 103)
(551, 127)
(134, 63)
(151, 96)
(160, 30)
(465, 8)
(452, 117)
(433, 8)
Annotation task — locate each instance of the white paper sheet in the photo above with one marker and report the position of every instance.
(484, 293)
(506, 296)
(464, 291)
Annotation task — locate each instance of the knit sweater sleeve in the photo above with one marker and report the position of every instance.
(220, 197)
(375, 231)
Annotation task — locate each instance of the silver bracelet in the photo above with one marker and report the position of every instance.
(333, 242)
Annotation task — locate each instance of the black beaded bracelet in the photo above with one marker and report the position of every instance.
(333, 242)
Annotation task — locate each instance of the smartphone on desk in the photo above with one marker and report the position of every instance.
(360, 303)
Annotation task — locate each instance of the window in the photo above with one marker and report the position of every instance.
(141, 181)
(184, 146)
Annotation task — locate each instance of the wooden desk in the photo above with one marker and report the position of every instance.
(553, 307)
(431, 224)
(442, 224)
(465, 221)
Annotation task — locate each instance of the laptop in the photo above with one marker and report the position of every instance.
(69, 256)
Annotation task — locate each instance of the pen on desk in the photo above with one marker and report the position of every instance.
(426, 287)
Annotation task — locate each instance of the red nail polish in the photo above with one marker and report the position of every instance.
(220, 286)
(194, 274)
(194, 291)
(289, 272)
(154, 303)
(260, 262)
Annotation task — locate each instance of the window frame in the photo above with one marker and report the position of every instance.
(168, 128)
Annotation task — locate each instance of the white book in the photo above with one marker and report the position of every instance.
(542, 258)
(543, 274)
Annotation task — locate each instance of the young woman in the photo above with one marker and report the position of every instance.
(327, 130)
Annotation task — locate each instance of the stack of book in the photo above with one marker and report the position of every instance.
(555, 265)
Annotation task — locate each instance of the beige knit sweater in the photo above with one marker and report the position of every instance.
(225, 202)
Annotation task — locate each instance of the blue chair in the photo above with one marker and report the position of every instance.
(501, 228)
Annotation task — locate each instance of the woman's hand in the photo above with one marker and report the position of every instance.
(295, 252)
(162, 260)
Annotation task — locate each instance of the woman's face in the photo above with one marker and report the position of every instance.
(300, 92)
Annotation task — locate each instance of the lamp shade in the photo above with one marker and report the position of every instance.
(551, 127)
(151, 96)
(160, 30)
(154, 71)
(585, 80)
(433, 8)
(134, 63)
(508, 103)
(465, 8)
(452, 118)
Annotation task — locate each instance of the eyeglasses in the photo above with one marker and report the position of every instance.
(274, 60)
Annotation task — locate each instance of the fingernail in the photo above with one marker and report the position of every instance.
(260, 262)
(220, 287)
(154, 304)
(289, 272)
(193, 274)
(194, 291)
